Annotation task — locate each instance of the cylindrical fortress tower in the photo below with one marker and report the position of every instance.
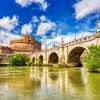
(26, 44)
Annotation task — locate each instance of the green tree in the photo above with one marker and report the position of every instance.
(18, 59)
(29, 63)
(39, 63)
(92, 60)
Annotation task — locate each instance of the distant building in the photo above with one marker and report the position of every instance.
(26, 44)
(5, 50)
(4, 54)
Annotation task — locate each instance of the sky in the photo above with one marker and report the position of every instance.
(48, 20)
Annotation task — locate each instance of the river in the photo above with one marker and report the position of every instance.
(48, 83)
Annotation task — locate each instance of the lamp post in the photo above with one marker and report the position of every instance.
(75, 37)
(54, 45)
(98, 26)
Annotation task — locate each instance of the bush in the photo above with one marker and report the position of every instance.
(29, 63)
(92, 60)
(18, 59)
(39, 63)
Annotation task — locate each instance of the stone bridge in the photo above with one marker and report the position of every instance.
(71, 53)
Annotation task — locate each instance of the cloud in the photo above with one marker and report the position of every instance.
(67, 38)
(8, 24)
(35, 19)
(43, 18)
(6, 37)
(41, 24)
(25, 3)
(86, 7)
(53, 34)
(26, 28)
(44, 27)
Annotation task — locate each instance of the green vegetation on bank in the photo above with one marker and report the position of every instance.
(29, 63)
(39, 63)
(18, 59)
(92, 60)
(22, 60)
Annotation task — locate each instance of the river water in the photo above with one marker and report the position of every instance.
(47, 83)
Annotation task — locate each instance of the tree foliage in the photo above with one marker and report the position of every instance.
(92, 59)
(39, 63)
(29, 63)
(18, 59)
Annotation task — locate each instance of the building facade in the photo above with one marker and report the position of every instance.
(5, 50)
(26, 44)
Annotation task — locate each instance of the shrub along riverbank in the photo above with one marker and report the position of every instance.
(22, 60)
(92, 60)
(18, 60)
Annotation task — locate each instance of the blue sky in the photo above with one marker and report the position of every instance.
(48, 20)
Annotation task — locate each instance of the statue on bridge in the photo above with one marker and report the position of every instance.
(98, 23)
(98, 29)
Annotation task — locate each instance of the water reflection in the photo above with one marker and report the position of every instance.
(45, 83)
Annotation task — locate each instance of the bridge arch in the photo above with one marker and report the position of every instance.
(76, 55)
(41, 58)
(53, 58)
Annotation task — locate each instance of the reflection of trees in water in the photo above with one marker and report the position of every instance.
(3, 80)
(40, 70)
(3, 75)
(51, 69)
(18, 80)
(77, 84)
(53, 76)
(21, 81)
(94, 84)
(53, 73)
(75, 79)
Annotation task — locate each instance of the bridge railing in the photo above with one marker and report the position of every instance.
(88, 38)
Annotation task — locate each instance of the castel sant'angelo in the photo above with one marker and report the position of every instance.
(26, 43)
